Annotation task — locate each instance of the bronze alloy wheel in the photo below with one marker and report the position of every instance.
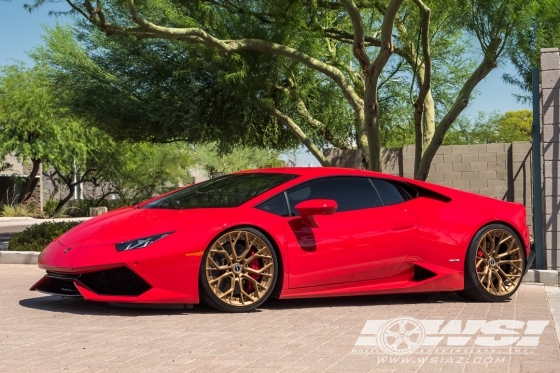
(239, 270)
(494, 265)
(499, 262)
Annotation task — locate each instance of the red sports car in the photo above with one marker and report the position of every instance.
(233, 241)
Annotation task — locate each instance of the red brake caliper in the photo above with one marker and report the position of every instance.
(480, 254)
(249, 286)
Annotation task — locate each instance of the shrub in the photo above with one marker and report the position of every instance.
(38, 236)
(16, 210)
(49, 207)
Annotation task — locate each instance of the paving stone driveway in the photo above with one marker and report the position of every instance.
(39, 333)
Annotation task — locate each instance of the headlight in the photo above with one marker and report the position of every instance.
(140, 242)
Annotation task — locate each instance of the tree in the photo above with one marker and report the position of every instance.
(30, 124)
(542, 31)
(169, 93)
(516, 126)
(239, 159)
(88, 158)
(368, 26)
(139, 171)
(492, 128)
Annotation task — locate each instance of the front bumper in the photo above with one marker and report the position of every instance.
(102, 274)
(120, 281)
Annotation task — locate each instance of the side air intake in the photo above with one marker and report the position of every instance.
(421, 273)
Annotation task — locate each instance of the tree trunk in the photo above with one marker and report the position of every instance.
(488, 64)
(429, 120)
(31, 182)
(64, 201)
(371, 121)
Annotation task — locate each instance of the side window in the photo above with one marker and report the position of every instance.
(350, 193)
(276, 205)
(390, 193)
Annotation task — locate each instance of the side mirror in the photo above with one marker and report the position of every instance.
(308, 209)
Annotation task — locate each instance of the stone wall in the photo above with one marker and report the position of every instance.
(502, 171)
(550, 116)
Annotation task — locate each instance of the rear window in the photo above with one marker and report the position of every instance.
(227, 191)
(391, 193)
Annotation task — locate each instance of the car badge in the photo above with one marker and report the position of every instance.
(68, 249)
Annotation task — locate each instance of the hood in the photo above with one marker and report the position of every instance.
(129, 224)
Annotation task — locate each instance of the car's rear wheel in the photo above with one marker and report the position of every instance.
(494, 264)
(238, 271)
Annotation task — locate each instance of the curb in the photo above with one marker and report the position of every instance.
(8, 219)
(542, 276)
(31, 221)
(19, 257)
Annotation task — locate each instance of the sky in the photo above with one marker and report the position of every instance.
(21, 32)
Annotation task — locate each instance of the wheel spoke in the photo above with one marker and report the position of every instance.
(233, 245)
(260, 271)
(514, 263)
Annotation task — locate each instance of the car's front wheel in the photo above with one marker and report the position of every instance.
(238, 271)
(494, 264)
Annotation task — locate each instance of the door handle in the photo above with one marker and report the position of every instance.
(400, 227)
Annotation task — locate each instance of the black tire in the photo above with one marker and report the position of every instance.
(235, 302)
(497, 287)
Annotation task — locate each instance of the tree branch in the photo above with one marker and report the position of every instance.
(488, 64)
(425, 82)
(298, 132)
(359, 48)
(146, 30)
(387, 47)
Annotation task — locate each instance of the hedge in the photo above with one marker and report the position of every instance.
(38, 236)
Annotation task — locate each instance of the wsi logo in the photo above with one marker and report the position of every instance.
(405, 335)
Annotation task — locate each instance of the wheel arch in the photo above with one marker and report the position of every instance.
(510, 226)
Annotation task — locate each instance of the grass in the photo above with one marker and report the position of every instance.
(16, 210)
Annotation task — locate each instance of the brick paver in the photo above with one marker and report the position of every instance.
(39, 333)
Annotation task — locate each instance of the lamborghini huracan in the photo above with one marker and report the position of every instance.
(236, 240)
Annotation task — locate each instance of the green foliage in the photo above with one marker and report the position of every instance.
(38, 236)
(16, 210)
(169, 90)
(192, 88)
(29, 118)
(240, 158)
(541, 30)
(516, 125)
(49, 207)
(138, 171)
(491, 128)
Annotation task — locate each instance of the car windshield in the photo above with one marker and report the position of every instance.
(225, 191)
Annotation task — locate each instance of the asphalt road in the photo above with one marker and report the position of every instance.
(7, 232)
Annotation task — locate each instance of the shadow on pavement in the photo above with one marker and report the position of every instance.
(366, 300)
(79, 306)
(83, 307)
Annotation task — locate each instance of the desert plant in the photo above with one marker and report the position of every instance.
(38, 236)
(16, 210)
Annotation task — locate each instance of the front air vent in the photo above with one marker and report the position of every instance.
(116, 281)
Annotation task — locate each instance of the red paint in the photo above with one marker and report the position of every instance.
(369, 251)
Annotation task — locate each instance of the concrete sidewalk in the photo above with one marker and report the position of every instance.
(20, 221)
(52, 334)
